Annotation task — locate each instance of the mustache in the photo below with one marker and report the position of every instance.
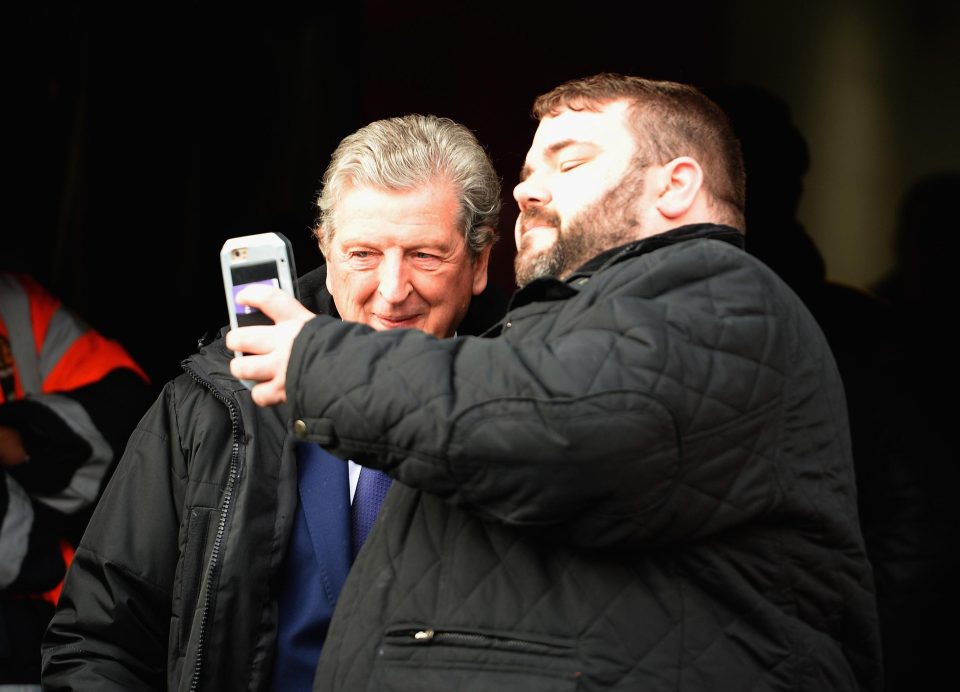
(538, 217)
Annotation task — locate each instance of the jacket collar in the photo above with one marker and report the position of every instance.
(314, 294)
(655, 242)
(548, 288)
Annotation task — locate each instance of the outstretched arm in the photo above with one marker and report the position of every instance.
(610, 420)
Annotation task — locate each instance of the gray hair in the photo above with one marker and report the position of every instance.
(406, 153)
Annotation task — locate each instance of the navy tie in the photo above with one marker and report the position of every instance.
(372, 487)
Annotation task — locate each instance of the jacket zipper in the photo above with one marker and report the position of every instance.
(213, 564)
(427, 637)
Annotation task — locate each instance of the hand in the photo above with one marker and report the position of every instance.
(268, 347)
(12, 451)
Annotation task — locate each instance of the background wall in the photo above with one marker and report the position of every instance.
(142, 141)
(875, 88)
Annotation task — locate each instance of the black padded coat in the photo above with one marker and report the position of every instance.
(643, 481)
(170, 588)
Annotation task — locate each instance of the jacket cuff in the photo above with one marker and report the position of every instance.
(300, 355)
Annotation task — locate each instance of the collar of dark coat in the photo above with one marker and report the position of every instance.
(314, 294)
(548, 289)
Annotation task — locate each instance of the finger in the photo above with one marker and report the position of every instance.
(268, 394)
(256, 368)
(254, 294)
(256, 339)
(276, 304)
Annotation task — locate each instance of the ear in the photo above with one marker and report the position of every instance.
(480, 264)
(681, 181)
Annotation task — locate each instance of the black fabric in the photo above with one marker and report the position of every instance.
(314, 294)
(173, 581)
(643, 482)
(199, 479)
(22, 622)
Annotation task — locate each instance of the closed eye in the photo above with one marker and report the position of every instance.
(571, 164)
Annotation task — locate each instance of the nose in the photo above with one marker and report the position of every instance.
(531, 192)
(394, 278)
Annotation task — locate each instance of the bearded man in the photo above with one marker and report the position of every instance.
(641, 481)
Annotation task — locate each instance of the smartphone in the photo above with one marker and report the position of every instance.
(264, 258)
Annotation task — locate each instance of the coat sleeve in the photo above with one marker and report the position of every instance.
(636, 419)
(110, 631)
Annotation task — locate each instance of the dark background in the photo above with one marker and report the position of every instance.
(143, 138)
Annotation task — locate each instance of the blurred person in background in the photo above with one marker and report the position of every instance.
(69, 399)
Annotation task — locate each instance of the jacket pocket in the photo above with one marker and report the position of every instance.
(192, 562)
(420, 658)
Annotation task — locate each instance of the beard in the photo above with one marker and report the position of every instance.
(607, 223)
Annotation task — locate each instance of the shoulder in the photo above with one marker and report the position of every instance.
(700, 269)
(196, 398)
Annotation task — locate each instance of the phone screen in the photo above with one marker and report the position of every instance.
(243, 276)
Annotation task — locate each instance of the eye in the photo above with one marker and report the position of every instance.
(570, 165)
(425, 260)
(361, 259)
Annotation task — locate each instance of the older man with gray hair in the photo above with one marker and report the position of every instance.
(218, 553)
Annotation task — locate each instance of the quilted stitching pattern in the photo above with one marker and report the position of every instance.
(748, 574)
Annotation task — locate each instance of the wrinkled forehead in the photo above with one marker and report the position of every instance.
(424, 214)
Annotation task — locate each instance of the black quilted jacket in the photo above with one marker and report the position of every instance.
(643, 482)
(170, 587)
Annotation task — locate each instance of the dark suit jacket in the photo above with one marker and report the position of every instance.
(316, 565)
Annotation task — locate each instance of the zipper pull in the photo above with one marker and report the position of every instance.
(423, 635)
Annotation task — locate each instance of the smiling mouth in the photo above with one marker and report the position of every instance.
(398, 321)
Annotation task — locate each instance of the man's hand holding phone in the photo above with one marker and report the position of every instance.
(259, 281)
(267, 347)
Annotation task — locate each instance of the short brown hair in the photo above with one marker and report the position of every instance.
(668, 120)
